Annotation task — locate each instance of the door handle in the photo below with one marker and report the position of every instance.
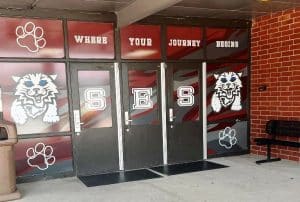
(77, 123)
(127, 120)
(171, 115)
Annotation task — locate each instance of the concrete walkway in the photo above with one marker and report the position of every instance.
(242, 181)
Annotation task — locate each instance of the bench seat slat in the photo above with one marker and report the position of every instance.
(283, 128)
(266, 141)
(279, 128)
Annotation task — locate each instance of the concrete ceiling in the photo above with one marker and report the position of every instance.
(233, 9)
(225, 9)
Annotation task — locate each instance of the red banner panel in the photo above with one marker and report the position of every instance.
(91, 40)
(184, 43)
(32, 38)
(227, 43)
(43, 156)
(141, 42)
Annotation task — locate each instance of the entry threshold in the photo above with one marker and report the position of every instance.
(181, 168)
(145, 174)
(118, 177)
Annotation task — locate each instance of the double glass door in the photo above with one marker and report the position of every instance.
(103, 143)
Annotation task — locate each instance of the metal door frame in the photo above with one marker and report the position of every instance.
(202, 101)
(161, 115)
(73, 69)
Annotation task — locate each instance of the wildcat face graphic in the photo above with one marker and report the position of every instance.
(227, 91)
(36, 96)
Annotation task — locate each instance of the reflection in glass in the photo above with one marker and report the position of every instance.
(186, 95)
(224, 43)
(241, 72)
(35, 97)
(95, 99)
(143, 97)
(227, 137)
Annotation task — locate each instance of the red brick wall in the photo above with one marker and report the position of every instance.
(275, 62)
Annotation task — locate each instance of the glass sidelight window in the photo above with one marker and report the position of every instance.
(95, 99)
(227, 91)
(143, 97)
(227, 108)
(57, 159)
(227, 137)
(35, 97)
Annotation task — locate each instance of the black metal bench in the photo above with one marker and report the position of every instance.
(277, 128)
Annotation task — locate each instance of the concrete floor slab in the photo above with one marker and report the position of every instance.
(242, 181)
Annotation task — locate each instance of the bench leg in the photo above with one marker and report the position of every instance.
(269, 159)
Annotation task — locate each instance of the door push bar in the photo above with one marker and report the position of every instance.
(77, 123)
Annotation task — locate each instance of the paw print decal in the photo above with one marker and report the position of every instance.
(227, 137)
(30, 37)
(40, 156)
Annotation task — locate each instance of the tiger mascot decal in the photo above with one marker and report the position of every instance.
(227, 91)
(36, 96)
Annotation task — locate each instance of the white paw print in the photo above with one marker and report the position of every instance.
(227, 137)
(30, 37)
(40, 156)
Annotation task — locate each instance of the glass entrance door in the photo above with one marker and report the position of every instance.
(184, 119)
(94, 114)
(142, 118)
